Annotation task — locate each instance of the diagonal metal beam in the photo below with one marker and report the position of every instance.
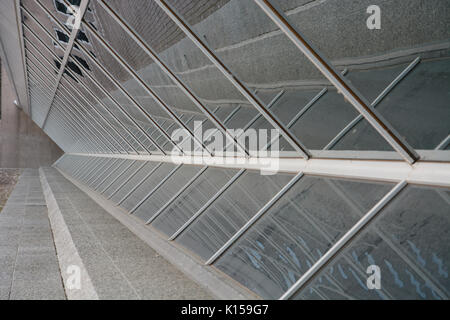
(444, 143)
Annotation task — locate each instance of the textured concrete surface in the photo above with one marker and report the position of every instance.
(28, 264)
(119, 265)
(22, 143)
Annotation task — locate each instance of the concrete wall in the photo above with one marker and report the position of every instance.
(11, 49)
(22, 143)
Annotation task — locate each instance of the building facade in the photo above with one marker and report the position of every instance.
(294, 147)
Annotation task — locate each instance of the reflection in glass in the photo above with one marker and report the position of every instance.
(296, 232)
(409, 241)
(230, 212)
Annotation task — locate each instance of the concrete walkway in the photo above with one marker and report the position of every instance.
(29, 267)
(57, 243)
(113, 263)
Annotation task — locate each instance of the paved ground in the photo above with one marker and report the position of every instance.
(114, 262)
(48, 225)
(28, 264)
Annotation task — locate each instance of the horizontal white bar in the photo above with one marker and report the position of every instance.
(422, 172)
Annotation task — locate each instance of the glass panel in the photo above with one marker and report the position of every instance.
(409, 242)
(102, 127)
(230, 212)
(40, 100)
(40, 80)
(121, 75)
(42, 63)
(97, 163)
(123, 191)
(123, 177)
(296, 232)
(118, 169)
(149, 184)
(114, 91)
(110, 172)
(192, 199)
(100, 172)
(39, 90)
(166, 191)
(404, 107)
(376, 57)
(85, 167)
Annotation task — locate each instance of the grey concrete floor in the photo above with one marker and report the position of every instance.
(28, 264)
